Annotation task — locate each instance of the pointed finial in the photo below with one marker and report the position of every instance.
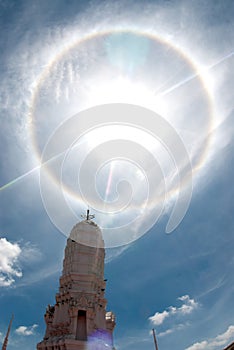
(88, 216)
(155, 340)
(4, 345)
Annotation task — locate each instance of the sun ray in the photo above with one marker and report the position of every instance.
(196, 75)
(21, 177)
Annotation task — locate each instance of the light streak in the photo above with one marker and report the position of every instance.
(193, 76)
(21, 177)
(109, 180)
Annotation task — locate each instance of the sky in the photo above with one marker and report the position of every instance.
(126, 108)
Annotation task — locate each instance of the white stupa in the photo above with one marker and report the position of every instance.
(79, 320)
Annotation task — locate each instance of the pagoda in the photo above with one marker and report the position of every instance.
(78, 320)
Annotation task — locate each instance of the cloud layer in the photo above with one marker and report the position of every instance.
(188, 306)
(13, 258)
(26, 331)
(9, 256)
(214, 343)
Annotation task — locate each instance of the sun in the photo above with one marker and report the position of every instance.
(120, 90)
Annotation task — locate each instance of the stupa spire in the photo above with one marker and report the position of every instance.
(78, 320)
(4, 345)
(88, 216)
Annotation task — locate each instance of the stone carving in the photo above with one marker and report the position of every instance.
(50, 310)
(83, 302)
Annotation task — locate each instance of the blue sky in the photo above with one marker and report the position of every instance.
(174, 58)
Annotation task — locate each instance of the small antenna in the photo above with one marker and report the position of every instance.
(88, 216)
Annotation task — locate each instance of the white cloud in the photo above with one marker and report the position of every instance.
(114, 253)
(168, 331)
(30, 253)
(198, 346)
(189, 305)
(26, 331)
(12, 257)
(214, 343)
(223, 338)
(172, 330)
(159, 317)
(9, 256)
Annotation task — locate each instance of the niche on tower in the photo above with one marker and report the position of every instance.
(81, 329)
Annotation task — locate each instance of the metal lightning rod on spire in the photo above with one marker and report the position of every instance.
(88, 216)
